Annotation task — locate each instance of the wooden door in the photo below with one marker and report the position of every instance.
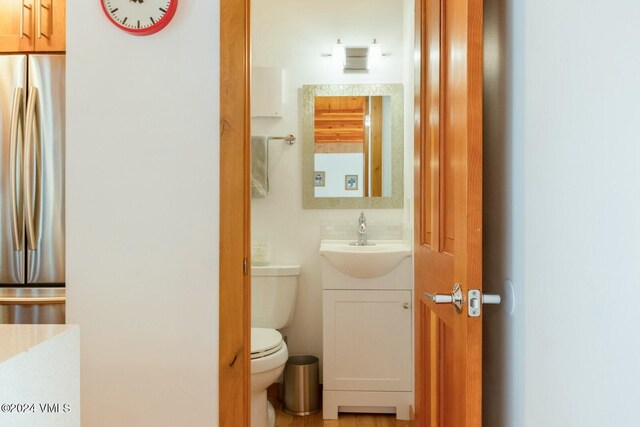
(17, 25)
(50, 25)
(448, 210)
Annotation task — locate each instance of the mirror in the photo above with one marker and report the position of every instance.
(353, 146)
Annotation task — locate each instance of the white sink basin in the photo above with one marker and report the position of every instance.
(376, 259)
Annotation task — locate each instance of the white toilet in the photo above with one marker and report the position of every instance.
(273, 297)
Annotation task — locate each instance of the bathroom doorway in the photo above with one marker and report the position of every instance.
(235, 202)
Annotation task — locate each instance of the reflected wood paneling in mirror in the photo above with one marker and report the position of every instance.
(353, 131)
(339, 119)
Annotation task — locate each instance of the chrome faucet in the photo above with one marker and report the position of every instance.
(362, 230)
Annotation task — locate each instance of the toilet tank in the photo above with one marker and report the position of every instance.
(273, 295)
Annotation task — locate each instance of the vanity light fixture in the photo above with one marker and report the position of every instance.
(357, 59)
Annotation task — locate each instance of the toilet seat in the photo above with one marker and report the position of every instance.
(265, 342)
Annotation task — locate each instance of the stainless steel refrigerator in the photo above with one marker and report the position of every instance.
(32, 201)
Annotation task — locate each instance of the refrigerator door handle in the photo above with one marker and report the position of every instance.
(31, 300)
(30, 147)
(16, 151)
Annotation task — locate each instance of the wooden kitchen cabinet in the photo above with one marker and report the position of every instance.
(50, 25)
(32, 26)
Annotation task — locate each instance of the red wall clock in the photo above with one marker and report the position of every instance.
(140, 17)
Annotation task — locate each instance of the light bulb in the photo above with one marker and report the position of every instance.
(374, 56)
(339, 55)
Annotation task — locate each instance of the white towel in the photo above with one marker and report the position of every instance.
(259, 167)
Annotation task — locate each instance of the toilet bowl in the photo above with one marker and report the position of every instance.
(273, 296)
(268, 357)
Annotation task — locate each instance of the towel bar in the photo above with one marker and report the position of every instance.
(289, 139)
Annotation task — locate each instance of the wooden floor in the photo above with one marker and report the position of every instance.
(345, 420)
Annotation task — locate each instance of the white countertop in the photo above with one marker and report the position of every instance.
(40, 375)
(16, 339)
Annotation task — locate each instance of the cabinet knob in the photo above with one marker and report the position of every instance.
(405, 305)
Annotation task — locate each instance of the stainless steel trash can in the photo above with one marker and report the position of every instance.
(301, 386)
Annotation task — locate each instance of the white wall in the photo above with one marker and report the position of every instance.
(568, 232)
(142, 215)
(336, 167)
(294, 35)
(40, 368)
(503, 342)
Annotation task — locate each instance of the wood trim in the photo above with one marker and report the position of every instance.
(366, 132)
(473, 219)
(422, 180)
(235, 311)
(376, 146)
(421, 223)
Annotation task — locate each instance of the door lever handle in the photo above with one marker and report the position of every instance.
(454, 298)
(475, 300)
(491, 299)
(439, 298)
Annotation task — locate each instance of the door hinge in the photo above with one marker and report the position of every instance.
(245, 266)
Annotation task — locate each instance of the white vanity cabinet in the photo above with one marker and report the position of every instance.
(369, 333)
(367, 342)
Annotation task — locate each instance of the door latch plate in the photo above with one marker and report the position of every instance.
(474, 303)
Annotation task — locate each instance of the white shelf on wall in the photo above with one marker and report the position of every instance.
(266, 92)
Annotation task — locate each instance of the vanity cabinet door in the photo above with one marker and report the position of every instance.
(367, 340)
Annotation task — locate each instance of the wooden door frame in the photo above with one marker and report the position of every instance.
(234, 368)
(235, 208)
